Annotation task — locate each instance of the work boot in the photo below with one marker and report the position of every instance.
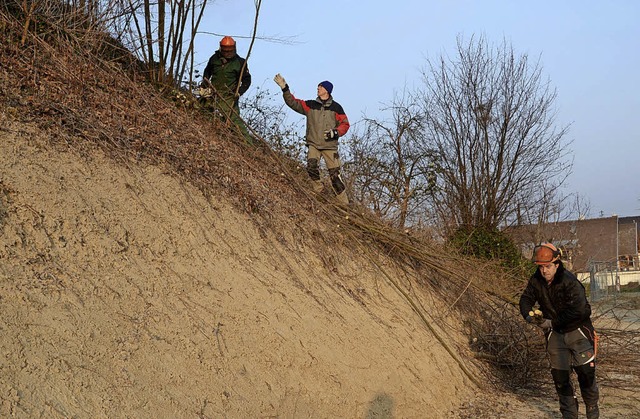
(342, 198)
(590, 396)
(569, 407)
(593, 412)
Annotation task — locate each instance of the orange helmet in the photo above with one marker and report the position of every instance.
(227, 41)
(545, 253)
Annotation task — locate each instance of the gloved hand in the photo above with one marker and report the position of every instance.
(205, 92)
(535, 317)
(331, 134)
(545, 325)
(280, 81)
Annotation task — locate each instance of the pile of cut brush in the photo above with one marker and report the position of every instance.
(617, 323)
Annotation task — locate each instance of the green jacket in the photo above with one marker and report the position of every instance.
(224, 75)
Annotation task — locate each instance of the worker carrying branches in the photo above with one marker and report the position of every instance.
(226, 78)
(326, 122)
(565, 319)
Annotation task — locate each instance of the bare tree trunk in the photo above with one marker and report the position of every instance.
(258, 3)
(149, 38)
(190, 51)
(161, 41)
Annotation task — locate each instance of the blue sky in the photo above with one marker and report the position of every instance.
(590, 50)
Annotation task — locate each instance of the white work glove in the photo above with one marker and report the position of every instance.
(331, 134)
(205, 92)
(280, 81)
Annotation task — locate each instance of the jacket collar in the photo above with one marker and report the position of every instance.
(557, 278)
(218, 55)
(325, 102)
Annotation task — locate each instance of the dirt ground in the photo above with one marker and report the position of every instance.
(126, 293)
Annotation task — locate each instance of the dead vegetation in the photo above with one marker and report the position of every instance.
(87, 101)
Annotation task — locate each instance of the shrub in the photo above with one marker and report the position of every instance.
(490, 244)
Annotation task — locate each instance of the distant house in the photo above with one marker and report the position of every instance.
(590, 244)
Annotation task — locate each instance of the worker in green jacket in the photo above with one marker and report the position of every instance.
(227, 78)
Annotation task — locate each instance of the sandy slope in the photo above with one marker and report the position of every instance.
(126, 293)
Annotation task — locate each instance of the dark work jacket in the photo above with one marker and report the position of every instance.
(564, 301)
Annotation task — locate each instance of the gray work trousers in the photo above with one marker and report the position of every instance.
(574, 350)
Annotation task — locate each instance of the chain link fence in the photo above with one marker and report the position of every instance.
(606, 279)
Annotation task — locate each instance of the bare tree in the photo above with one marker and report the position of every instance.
(389, 172)
(157, 34)
(71, 18)
(490, 117)
(265, 115)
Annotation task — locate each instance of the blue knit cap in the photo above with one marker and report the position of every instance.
(327, 85)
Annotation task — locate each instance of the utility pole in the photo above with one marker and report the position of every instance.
(636, 259)
(617, 254)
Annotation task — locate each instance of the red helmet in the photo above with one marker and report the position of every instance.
(545, 253)
(227, 41)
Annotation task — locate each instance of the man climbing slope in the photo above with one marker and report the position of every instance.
(227, 78)
(326, 122)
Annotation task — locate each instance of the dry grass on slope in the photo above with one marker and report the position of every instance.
(85, 102)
